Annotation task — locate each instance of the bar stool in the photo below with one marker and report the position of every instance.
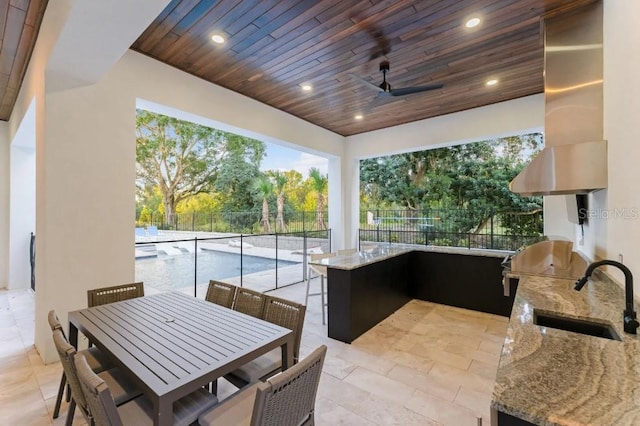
(322, 272)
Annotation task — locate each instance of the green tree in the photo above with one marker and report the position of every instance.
(279, 184)
(470, 180)
(320, 185)
(200, 203)
(151, 198)
(145, 216)
(296, 189)
(181, 158)
(242, 157)
(264, 187)
(184, 159)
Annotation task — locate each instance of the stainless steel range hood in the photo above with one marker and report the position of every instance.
(574, 159)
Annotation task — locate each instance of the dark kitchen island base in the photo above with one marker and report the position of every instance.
(361, 296)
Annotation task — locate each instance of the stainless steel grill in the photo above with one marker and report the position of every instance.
(552, 258)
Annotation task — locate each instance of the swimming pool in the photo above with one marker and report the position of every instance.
(168, 273)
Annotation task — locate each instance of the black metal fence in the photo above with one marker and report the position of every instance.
(441, 227)
(454, 228)
(173, 261)
(236, 222)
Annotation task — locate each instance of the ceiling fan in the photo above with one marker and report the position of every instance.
(384, 89)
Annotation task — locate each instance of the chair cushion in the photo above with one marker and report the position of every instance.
(120, 386)
(260, 367)
(97, 360)
(236, 410)
(185, 411)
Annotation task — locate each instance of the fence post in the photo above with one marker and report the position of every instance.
(211, 222)
(241, 259)
(195, 264)
(276, 260)
(377, 221)
(304, 254)
(492, 230)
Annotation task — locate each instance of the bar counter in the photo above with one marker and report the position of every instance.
(366, 287)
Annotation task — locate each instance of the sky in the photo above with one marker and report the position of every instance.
(284, 159)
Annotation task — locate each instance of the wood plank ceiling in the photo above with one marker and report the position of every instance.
(275, 46)
(19, 24)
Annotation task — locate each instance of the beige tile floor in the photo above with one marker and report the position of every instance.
(426, 364)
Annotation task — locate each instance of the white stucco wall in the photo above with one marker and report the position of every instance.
(556, 219)
(617, 229)
(519, 116)
(22, 210)
(4, 203)
(23, 215)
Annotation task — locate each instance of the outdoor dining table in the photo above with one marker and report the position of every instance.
(172, 344)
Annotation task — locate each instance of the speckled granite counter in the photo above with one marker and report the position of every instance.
(386, 251)
(548, 376)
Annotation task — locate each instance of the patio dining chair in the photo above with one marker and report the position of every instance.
(286, 399)
(97, 361)
(221, 293)
(106, 412)
(104, 295)
(322, 272)
(123, 390)
(284, 313)
(249, 302)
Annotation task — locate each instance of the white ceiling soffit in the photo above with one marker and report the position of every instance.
(95, 36)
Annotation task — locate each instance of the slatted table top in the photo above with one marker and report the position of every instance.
(174, 343)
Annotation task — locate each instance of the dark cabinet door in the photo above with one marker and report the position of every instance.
(465, 281)
(505, 419)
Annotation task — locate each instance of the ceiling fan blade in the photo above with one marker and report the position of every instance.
(380, 99)
(415, 89)
(365, 82)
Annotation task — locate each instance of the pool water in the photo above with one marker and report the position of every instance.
(168, 273)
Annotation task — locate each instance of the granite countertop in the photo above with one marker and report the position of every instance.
(548, 376)
(381, 252)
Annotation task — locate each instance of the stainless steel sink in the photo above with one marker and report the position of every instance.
(590, 328)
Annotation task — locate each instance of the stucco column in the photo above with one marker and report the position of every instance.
(4, 204)
(85, 195)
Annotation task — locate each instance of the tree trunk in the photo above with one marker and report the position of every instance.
(320, 225)
(169, 212)
(280, 226)
(265, 216)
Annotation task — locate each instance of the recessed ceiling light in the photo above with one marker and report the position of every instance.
(306, 87)
(358, 117)
(491, 82)
(217, 38)
(473, 22)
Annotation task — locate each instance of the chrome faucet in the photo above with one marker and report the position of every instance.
(629, 318)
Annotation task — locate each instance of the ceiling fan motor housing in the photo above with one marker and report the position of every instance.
(384, 67)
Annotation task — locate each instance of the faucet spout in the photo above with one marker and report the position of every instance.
(629, 316)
